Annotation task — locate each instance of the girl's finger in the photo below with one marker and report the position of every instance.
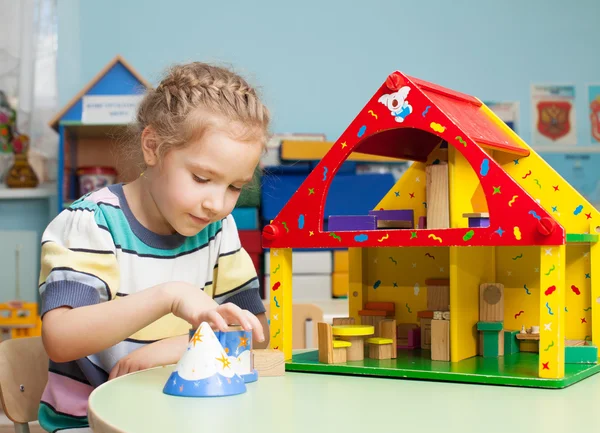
(257, 327)
(218, 320)
(235, 315)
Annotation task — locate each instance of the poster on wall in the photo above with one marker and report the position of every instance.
(508, 112)
(553, 115)
(594, 105)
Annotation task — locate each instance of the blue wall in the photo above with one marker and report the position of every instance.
(319, 61)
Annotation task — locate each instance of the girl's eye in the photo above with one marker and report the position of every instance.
(200, 179)
(235, 188)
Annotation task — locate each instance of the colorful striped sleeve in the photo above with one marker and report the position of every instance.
(78, 261)
(235, 278)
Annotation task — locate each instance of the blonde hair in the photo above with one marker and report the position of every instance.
(192, 98)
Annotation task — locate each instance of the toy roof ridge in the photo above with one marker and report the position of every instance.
(434, 114)
(117, 59)
(464, 110)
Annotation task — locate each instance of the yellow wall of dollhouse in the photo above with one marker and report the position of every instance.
(399, 274)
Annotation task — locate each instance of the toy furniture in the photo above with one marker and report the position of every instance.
(353, 334)
(23, 377)
(375, 312)
(496, 213)
(289, 400)
(331, 351)
(384, 346)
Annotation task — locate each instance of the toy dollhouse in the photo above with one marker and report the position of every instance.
(90, 125)
(475, 267)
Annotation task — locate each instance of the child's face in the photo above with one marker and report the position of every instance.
(200, 183)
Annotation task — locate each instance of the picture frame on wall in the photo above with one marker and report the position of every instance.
(553, 115)
(593, 91)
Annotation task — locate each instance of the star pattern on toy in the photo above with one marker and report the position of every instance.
(500, 231)
(223, 359)
(344, 145)
(311, 191)
(583, 320)
(397, 193)
(545, 365)
(311, 233)
(548, 326)
(548, 251)
(497, 190)
(197, 338)
(412, 194)
(243, 342)
(555, 187)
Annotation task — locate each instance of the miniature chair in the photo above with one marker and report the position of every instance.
(384, 347)
(331, 351)
(343, 321)
(375, 312)
(304, 331)
(23, 377)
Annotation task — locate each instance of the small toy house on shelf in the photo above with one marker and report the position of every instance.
(89, 127)
(480, 250)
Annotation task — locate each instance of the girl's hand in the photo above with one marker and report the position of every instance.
(195, 306)
(159, 353)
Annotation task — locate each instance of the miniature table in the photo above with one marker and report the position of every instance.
(304, 402)
(354, 334)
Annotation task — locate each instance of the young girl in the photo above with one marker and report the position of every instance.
(129, 269)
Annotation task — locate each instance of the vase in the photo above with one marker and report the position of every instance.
(20, 174)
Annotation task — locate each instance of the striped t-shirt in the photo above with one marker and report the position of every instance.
(96, 251)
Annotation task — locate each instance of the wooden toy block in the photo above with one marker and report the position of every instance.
(341, 284)
(340, 261)
(340, 223)
(511, 344)
(388, 330)
(440, 340)
(438, 294)
(491, 302)
(581, 354)
(426, 333)
(330, 351)
(437, 197)
(309, 262)
(268, 362)
(437, 315)
(422, 223)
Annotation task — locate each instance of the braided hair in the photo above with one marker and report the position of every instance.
(189, 99)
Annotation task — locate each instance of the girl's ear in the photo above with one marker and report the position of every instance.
(149, 146)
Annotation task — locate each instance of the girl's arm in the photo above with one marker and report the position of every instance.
(72, 333)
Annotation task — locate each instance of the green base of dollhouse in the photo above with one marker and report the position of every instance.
(519, 369)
